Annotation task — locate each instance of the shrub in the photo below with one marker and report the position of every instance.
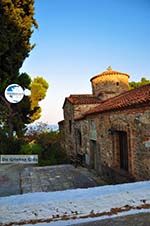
(30, 149)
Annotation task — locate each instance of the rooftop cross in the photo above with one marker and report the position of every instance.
(109, 68)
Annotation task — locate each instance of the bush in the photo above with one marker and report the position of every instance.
(46, 144)
(30, 149)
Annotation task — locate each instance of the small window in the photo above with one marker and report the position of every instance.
(79, 137)
(117, 83)
(70, 126)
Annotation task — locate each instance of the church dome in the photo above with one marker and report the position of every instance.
(109, 83)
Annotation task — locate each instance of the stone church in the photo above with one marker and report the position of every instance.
(109, 130)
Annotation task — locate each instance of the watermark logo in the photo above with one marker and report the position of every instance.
(14, 93)
(19, 159)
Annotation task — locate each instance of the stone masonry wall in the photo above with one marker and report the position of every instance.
(136, 123)
(80, 109)
(69, 134)
(82, 146)
(93, 137)
(68, 127)
(107, 86)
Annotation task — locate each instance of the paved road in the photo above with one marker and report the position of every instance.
(142, 219)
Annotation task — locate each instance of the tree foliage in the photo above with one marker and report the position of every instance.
(46, 144)
(17, 24)
(142, 82)
(39, 87)
(38, 128)
(52, 152)
(16, 27)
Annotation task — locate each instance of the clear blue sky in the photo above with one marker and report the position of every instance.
(78, 39)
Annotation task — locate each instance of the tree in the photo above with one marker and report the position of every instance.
(16, 23)
(45, 142)
(16, 28)
(143, 81)
(38, 92)
(37, 128)
(17, 116)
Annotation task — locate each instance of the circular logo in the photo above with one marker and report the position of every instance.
(14, 93)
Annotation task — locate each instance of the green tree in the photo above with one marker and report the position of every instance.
(39, 87)
(52, 152)
(143, 81)
(30, 149)
(17, 116)
(49, 142)
(16, 27)
(17, 24)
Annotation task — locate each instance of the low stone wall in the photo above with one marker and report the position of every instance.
(10, 178)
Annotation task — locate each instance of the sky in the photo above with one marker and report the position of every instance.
(78, 39)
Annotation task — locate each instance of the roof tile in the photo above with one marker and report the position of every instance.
(124, 100)
(109, 72)
(83, 99)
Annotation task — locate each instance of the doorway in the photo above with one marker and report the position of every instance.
(93, 154)
(123, 150)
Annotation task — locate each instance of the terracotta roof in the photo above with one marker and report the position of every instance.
(128, 99)
(83, 99)
(109, 72)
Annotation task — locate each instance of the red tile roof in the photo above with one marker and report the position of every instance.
(128, 99)
(82, 99)
(109, 72)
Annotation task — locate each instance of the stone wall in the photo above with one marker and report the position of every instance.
(70, 133)
(82, 142)
(80, 109)
(136, 124)
(68, 129)
(107, 86)
(96, 140)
